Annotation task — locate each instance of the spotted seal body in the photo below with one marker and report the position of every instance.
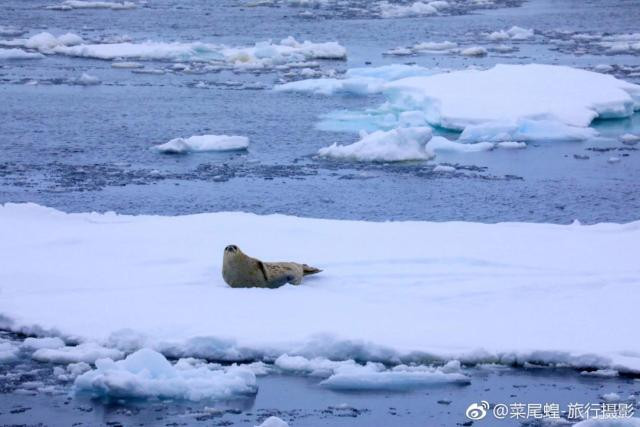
(242, 271)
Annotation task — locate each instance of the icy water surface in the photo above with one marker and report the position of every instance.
(31, 394)
(80, 148)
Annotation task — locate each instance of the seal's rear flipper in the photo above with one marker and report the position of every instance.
(307, 270)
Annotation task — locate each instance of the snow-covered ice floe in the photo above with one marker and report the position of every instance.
(514, 33)
(148, 374)
(204, 143)
(385, 146)
(394, 292)
(259, 56)
(418, 8)
(83, 4)
(505, 103)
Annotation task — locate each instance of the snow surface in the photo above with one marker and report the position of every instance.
(148, 374)
(204, 143)
(393, 292)
(396, 145)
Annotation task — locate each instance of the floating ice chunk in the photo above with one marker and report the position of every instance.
(611, 397)
(434, 46)
(148, 374)
(126, 64)
(204, 143)
(399, 144)
(19, 54)
(86, 352)
(613, 159)
(474, 51)
(630, 139)
(82, 4)
(38, 343)
(316, 367)
(45, 42)
(10, 31)
(71, 371)
(514, 33)
(444, 169)
(419, 8)
(552, 98)
(603, 68)
(601, 373)
(357, 81)
(399, 51)
(273, 422)
(526, 130)
(439, 143)
(399, 378)
(87, 80)
(511, 144)
(8, 351)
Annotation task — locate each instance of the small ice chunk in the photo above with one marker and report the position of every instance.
(365, 379)
(600, 373)
(444, 168)
(474, 51)
(148, 374)
(84, 4)
(611, 397)
(38, 343)
(511, 144)
(87, 80)
(603, 68)
(419, 8)
(8, 351)
(630, 139)
(435, 46)
(273, 422)
(439, 143)
(395, 145)
(85, 352)
(199, 143)
(126, 64)
(15, 53)
(613, 159)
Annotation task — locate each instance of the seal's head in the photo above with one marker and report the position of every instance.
(231, 249)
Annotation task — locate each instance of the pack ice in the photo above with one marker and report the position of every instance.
(393, 292)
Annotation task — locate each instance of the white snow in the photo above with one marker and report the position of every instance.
(492, 293)
(82, 4)
(85, 352)
(46, 342)
(19, 54)
(148, 374)
(396, 145)
(198, 143)
(273, 422)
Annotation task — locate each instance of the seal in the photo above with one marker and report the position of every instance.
(241, 271)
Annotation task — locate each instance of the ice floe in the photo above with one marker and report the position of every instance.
(349, 375)
(514, 33)
(8, 351)
(198, 143)
(85, 4)
(400, 144)
(45, 342)
(19, 54)
(86, 352)
(418, 8)
(505, 103)
(148, 374)
(262, 55)
(459, 286)
(87, 80)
